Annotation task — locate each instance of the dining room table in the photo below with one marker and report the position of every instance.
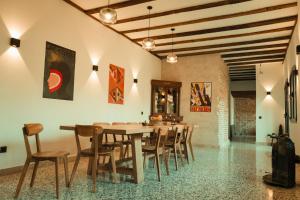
(135, 132)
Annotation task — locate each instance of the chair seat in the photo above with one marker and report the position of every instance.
(111, 144)
(126, 142)
(50, 154)
(148, 148)
(169, 143)
(101, 151)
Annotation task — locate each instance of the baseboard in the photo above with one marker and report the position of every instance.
(206, 146)
(18, 169)
(263, 143)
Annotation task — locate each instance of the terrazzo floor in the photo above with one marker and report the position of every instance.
(231, 173)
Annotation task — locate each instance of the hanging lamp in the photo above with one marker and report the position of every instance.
(108, 15)
(172, 58)
(148, 43)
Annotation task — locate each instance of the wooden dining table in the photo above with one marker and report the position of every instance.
(135, 132)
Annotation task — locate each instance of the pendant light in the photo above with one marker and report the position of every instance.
(108, 15)
(148, 43)
(172, 58)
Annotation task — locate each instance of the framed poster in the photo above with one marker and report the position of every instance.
(293, 94)
(201, 97)
(59, 72)
(116, 85)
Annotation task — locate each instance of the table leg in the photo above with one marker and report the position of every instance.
(137, 157)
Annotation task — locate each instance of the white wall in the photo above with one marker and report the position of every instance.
(271, 107)
(22, 71)
(243, 85)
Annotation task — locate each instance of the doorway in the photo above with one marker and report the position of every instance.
(244, 127)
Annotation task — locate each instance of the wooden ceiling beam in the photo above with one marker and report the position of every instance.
(255, 58)
(182, 10)
(229, 50)
(246, 79)
(256, 62)
(253, 53)
(289, 28)
(208, 19)
(224, 28)
(224, 45)
(240, 71)
(119, 5)
(94, 18)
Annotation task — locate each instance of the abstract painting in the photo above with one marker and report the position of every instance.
(59, 72)
(116, 85)
(201, 97)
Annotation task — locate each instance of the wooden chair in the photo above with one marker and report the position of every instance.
(186, 141)
(54, 156)
(125, 141)
(157, 149)
(107, 143)
(96, 133)
(174, 142)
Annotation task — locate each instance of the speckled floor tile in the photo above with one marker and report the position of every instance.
(233, 173)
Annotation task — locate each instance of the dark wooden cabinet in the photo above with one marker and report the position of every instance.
(165, 100)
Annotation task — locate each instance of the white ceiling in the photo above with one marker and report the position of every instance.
(167, 5)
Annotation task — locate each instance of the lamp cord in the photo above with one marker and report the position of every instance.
(149, 25)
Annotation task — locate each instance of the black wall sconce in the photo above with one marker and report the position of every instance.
(135, 80)
(95, 68)
(298, 49)
(15, 42)
(268, 92)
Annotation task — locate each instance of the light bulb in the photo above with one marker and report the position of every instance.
(108, 16)
(172, 58)
(148, 44)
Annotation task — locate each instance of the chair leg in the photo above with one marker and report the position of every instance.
(36, 164)
(175, 157)
(126, 151)
(121, 152)
(25, 168)
(144, 164)
(165, 157)
(186, 152)
(114, 168)
(157, 165)
(181, 155)
(74, 169)
(104, 159)
(191, 150)
(57, 180)
(94, 168)
(66, 170)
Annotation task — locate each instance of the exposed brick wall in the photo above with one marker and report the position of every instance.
(245, 115)
(212, 126)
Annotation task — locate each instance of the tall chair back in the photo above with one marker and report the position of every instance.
(88, 131)
(32, 130)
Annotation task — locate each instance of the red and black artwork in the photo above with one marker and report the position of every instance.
(59, 72)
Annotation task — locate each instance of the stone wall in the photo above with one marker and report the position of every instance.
(245, 109)
(213, 126)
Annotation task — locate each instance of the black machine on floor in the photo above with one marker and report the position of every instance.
(283, 163)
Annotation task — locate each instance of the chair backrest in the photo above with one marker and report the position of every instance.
(118, 123)
(103, 124)
(32, 129)
(88, 131)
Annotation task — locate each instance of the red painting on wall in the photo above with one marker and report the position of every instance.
(200, 97)
(116, 85)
